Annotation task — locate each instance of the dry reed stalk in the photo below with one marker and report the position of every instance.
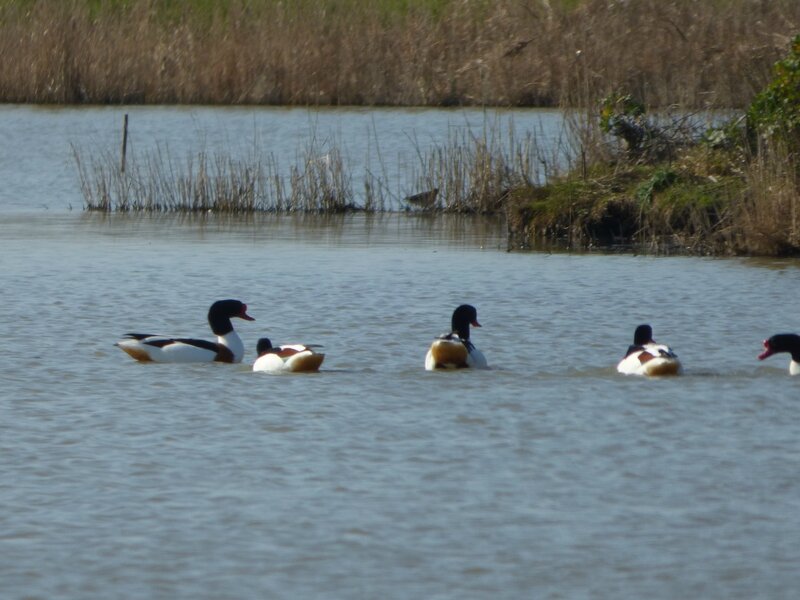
(318, 52)
(474, 174)
(769, 214)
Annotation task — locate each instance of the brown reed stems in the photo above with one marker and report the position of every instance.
(476, 173)
(155, 182)
(340, 52)
(769, 215)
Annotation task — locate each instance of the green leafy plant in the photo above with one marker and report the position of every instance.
(775, 111)
(662, 179)
(617, 107)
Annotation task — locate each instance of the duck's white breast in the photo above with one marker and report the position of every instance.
(269, 362)
(653, 360)
(477, 360)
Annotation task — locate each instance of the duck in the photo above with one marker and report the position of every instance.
(295, 358)
(455, 350)
(784, 342)
(647, 357)
(228, 348)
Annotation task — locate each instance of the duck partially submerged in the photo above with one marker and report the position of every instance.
(228, 348)
(784, 342)
(295, 358)
(647, 357)
(455, 350)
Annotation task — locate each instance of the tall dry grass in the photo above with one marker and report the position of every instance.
(218, 182)
(417, 52)
(768, 219)
(474, 173)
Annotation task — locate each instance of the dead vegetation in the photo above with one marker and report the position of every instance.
(432, 52)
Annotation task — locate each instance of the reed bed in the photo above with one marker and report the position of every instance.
(470, 174)
(392, 52)
(476, 173)
(155, 181)
(768, 217)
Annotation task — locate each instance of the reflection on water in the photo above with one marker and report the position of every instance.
(778, 264)
(353, 228)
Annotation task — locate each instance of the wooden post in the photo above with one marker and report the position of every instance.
(583, 163)
(124, 143)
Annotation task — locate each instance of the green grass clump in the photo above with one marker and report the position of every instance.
(646, 206)
(575, 211)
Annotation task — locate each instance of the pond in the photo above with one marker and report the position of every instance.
(548, 475)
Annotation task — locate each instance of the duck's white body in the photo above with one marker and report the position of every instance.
(450, 352)
(294, 358)
(228, 348)
(651, 359)
(162, 349)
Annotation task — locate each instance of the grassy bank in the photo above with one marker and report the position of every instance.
(649, 183)
(649, 208)
(392, 52)
(672, 209)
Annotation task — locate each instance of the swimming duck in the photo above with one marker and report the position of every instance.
(646, 357)
(454, 350)
(784, 342)
(228, 348)
(293, 357)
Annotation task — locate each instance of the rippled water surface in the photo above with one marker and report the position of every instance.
(548, 476)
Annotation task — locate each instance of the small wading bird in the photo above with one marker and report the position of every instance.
(646, 357)
(424, 200)
(295, 358)
(228, 348)
(454, 350)
(784, 342)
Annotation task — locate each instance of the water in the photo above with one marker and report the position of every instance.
(549, 476)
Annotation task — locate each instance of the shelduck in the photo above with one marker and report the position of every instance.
(228, 348)
(455, 350)
(784, 342)
(647, 357)
(295, 358)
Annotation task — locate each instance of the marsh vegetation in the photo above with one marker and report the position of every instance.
(730, 187)
(634, 179)
(391, 52)
(469, 172)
